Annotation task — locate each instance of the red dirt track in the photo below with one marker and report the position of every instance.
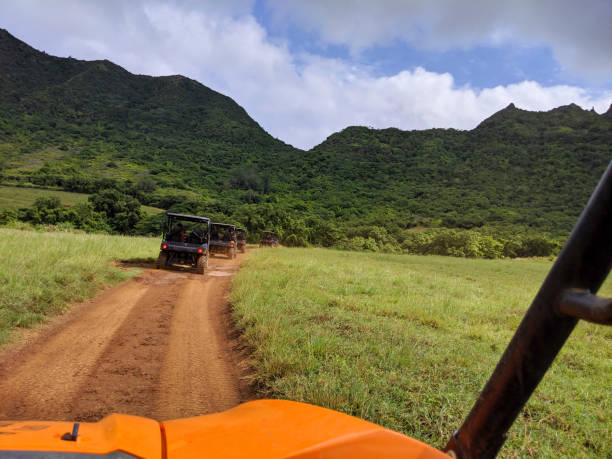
(160, 345)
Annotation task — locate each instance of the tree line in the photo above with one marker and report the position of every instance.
(114, 211)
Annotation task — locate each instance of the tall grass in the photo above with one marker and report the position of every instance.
(43, 272)
(409, 341)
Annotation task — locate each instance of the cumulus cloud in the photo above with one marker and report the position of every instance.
(415, 99)
(579, 33)
(299, 98)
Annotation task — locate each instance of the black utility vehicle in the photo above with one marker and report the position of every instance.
(185, 242)
(268, 239)
(241, 239)
(223, 239)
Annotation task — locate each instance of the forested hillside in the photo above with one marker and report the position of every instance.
(173, 143)
(70, 123)
(519, 167)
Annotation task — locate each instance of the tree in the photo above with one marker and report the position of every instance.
(122, 211)
(47, 210)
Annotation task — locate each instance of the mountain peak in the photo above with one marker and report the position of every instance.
(569, 108)
(508, 112)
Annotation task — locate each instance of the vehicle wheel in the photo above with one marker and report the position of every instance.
(201, 264)
(162, 259)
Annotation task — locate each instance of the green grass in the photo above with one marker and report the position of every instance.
(13, 197)
(43, 272)
(408, 342)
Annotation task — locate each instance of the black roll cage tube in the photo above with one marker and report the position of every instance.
(566, 296)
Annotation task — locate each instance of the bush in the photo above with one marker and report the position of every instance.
(122, 211)
(83, 216)
(45, 211)
(538, 246)
(8, 216)
(491, 248)
(295, 240)
(473, 244)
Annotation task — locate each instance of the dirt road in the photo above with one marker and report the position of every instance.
(160, 345)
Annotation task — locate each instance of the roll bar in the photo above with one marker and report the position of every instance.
(566, 296)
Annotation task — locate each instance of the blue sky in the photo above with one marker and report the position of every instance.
(481, 65)
(306, 69)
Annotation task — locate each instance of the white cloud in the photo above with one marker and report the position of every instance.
(578, 32)
(300, 99)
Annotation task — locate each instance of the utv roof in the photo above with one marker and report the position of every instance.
(193, 218)
(224, 224)
(240, 229)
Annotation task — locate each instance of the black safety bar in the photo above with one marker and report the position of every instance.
(567, 295)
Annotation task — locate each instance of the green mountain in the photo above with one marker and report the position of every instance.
(174, 143)
(65, 122)
(528, 168)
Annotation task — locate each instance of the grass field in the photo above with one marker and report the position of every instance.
(408, 342)
(43, 272)
(13, 197)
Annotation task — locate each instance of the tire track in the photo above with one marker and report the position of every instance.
(200, 372)
(160, 345)
(38, 380)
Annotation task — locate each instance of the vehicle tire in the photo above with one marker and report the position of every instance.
(234, 252)
(162, 259)
(201, 264)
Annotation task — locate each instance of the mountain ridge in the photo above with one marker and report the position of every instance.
(82, 125)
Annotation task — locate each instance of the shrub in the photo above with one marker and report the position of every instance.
(122, 211)
(295, 240)
(473, 244)
(538, 246)
(8, 216)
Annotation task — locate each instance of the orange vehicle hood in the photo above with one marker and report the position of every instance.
(116, 432)
(263, 428)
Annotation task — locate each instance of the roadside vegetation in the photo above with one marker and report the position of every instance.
(409, 341)
(115, 211)
(44, 271)
(108, 211)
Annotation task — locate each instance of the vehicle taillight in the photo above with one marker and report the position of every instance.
(164, 246)
(200, 250)
(229, 244)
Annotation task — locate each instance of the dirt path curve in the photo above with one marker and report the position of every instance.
(160, 345)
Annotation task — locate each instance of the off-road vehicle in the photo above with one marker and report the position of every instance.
(185, 242)
(268, 239)
(241, 239)
(223, 239)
